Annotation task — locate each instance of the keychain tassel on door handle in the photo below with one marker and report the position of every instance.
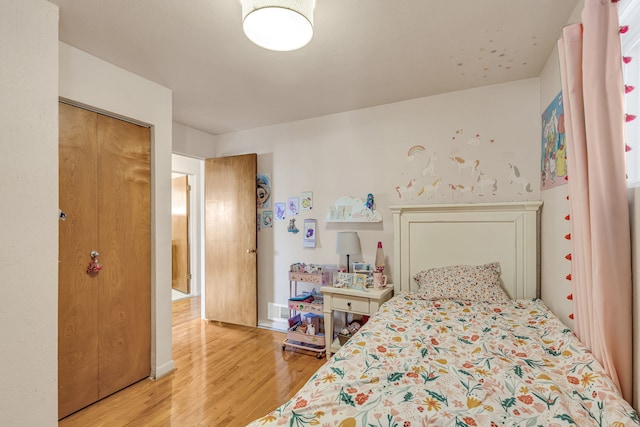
(94, 265)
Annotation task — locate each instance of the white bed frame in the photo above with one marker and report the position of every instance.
(427, 236)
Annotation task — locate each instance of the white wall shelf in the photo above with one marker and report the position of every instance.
(348, 209)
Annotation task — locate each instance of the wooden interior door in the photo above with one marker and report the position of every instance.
(124, 193)
(77, 290)
(230, 240)
(180, 234)
(104, 340)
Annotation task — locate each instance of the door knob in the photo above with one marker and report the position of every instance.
(251, 251)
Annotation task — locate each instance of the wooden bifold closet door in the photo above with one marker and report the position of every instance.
(104, 317)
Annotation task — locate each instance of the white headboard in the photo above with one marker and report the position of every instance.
(427, 236)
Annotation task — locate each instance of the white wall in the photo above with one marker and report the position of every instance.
(380, 150)
(28, 212)
(90, 81)
(556, 288)
(192, 142)
(190, 146)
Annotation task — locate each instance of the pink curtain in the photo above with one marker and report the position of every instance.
(593, 96)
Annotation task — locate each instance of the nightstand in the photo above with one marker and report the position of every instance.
(350, 301)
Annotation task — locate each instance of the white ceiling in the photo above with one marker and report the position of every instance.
(363, 53)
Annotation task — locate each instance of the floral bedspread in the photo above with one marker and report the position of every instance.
(449, 363)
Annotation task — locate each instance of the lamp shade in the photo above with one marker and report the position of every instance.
(280, 25)
(347, 243)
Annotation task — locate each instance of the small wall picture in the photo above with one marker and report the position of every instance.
(263, 190)
(281, 213)
(309, 238)
(267, 219)
(292, 206)
(306, 200)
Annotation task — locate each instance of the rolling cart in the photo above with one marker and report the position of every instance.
(305, 313)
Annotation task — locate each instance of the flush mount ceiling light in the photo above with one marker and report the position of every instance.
(281, 25)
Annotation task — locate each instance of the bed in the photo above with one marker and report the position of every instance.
(465, 341)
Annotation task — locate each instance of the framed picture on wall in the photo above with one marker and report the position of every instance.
(293, 204)
(281, 212)
(309, 238)
(267, 219)
(306, 200)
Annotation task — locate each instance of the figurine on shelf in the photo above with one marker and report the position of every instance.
(369, 203)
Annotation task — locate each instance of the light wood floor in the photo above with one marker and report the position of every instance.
(225, 375)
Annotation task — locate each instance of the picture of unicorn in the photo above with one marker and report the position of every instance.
(516, 178)
(431, 189)
(406, 192)
(460, 190)
(429, 167)
(486, 183)
(463, 164)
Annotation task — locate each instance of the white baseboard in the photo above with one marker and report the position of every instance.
(274, 324)
(163, 370)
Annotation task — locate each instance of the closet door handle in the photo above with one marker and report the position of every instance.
(251, 251)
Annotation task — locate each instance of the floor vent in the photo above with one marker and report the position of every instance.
(277, 311)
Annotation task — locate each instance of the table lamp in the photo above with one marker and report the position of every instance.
(347, 243)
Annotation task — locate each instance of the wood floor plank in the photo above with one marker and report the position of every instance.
(226, 375)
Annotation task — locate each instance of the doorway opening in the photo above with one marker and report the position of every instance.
(193, 169)
(180, 241)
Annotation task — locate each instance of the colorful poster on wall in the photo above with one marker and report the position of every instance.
(280, 211)
(554, 149)
(267, 219)
(292, 206)
(263, 190)
(307, 200)
(309, 238)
